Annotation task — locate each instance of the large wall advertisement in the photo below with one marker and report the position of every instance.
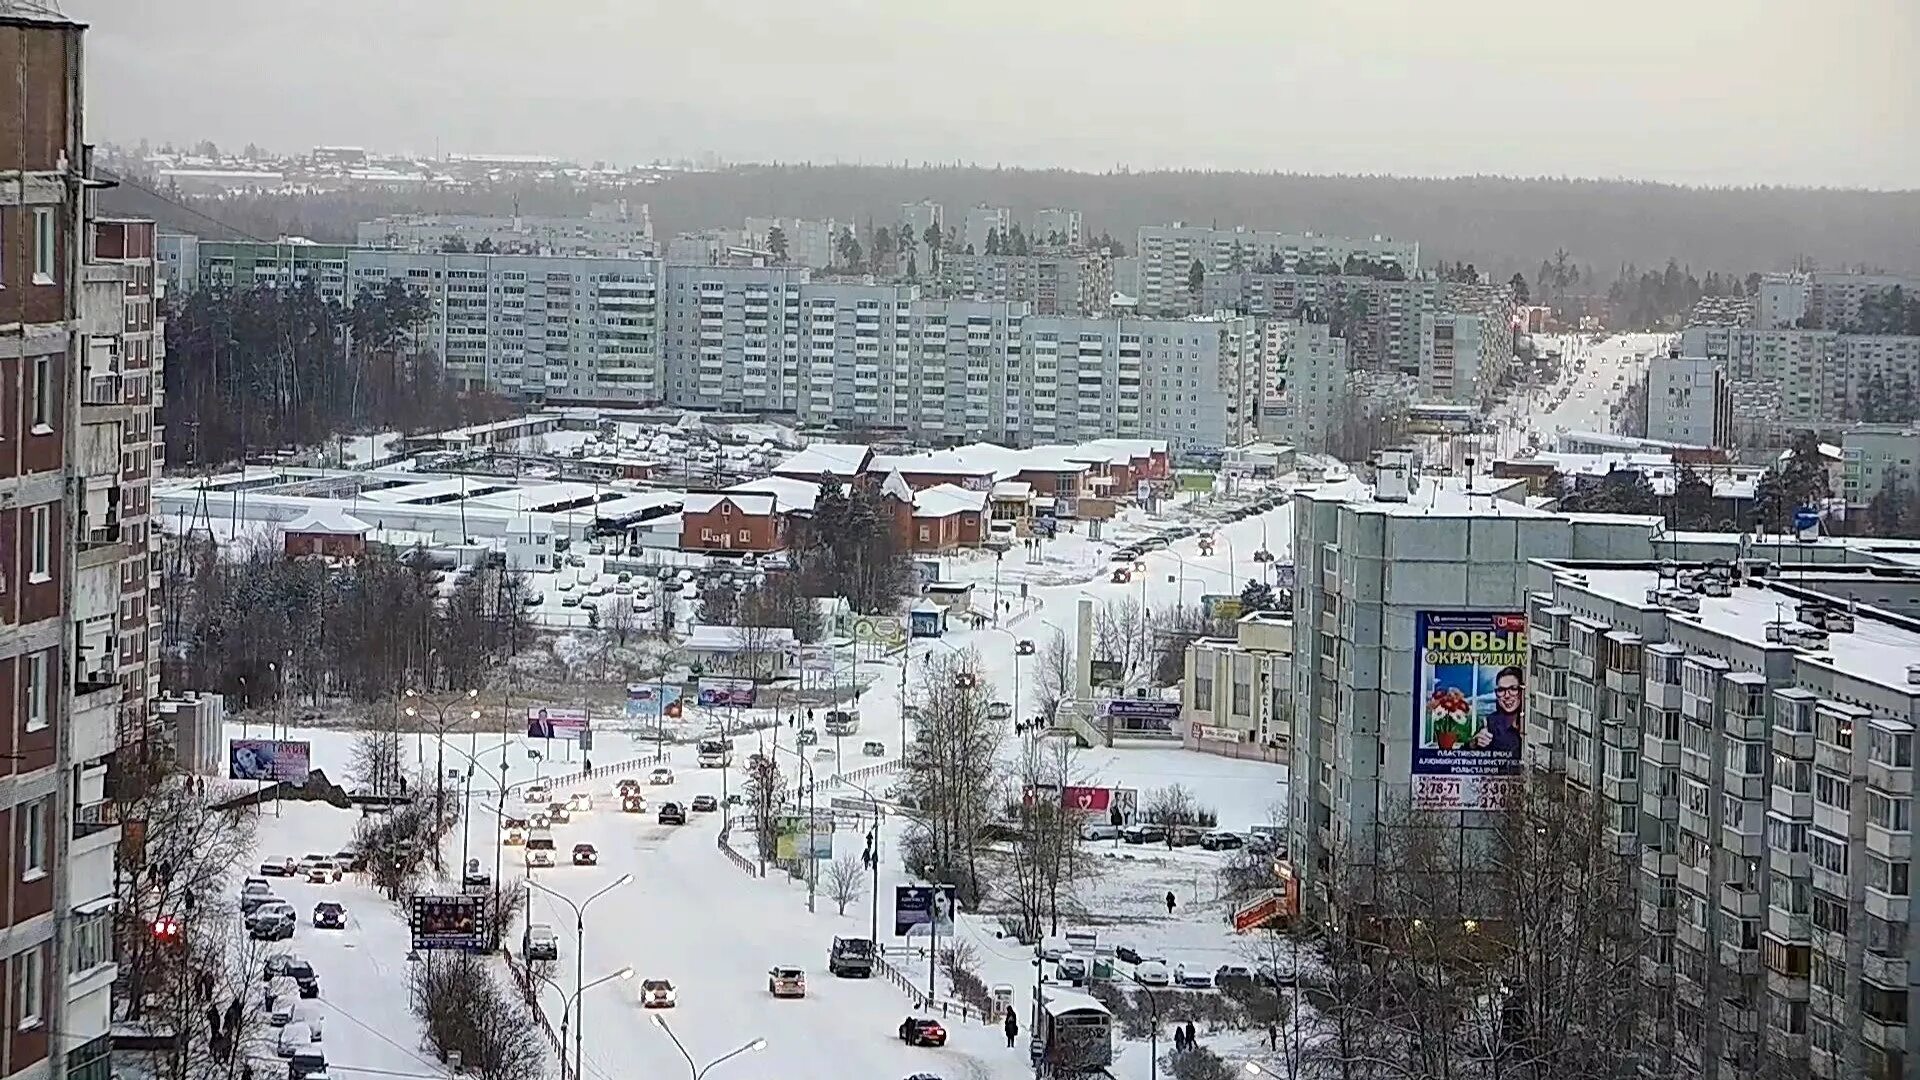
(1469, 718)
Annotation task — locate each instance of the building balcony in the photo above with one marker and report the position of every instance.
(1739, 961)
(1883, 905)
(102, 390)
(1883, 970)
(1789, 803)
(1884, 1034)
(1890, 779)
(1889, 844)
(1744, 904)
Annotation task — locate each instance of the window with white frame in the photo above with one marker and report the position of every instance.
(1832, 789)
(31, 984)
(43, 246)
(42, 391)
(40, 543)
(33, 839)
(1829, 853)
(92, 942)
(37, 680)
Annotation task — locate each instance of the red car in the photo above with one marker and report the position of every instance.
(919, 1031)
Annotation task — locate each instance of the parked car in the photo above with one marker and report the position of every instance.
(303, 975)
(1151, 972)
(254, 892)
(657, 994)
(278, 866)
(999, 710)
(585, 855)
(350, 861)
(1143, 833)
(281, 1014)
(328, 915)
(1221, 840)
(1193, 977)
(1184, 836)
(873, 748)
(705, 804)
(323, 872)
(661, 775)
(787, 982)
(672, 814)
(807, 737)
(1071, 968)
(275, 966)
(1226, 973)
(923, 1031)
(1099, 830)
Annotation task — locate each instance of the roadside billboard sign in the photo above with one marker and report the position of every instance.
(1469, 719)
(922, 909)
(647, 701)
(449, 922)
(556, 722)
(269, 759)
(1221, 605)
(723, 693)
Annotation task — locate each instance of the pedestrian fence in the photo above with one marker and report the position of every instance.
(726, 848)
(530, 991)
(947, 1008)
(861, 776)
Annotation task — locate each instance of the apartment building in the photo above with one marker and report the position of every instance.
(1167, 254)
(1379, 319)
(1785, 381)
(1053, 283)
(810, 243)
(910, 236)
(1303, 383)
(1057, 228)
(1688, 402)
(537, 327)
(188, 263)
(618, 229)
(1467, 349)
(1875, 457)
(980, 221)
(1374, 562)
(78, 368)
(1748, 732)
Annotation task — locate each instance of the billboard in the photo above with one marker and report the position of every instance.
(449, 922)
(556, 722)
(1107, 672)
(1221, 605)
(726, 692)
(1469, 720)
(794, 840)
(1142, 714)
(1090, 798)
(269, 759)
(922, 909)
(646, 701)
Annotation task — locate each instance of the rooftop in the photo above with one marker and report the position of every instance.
(840, 459)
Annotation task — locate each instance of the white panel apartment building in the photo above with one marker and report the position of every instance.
(543, 328)
(1167, 254)
(609, 230)
(809, 242)
(914, 219)
(982, 220)
(1066, 224)
(1688, 401)
(1303, 383)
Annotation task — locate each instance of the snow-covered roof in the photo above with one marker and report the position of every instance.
(705, 501)
(789, 493)
(897, 486)
(945, 500)
(1013, 489)
(740, 639)
(329, 520)
(840, 459)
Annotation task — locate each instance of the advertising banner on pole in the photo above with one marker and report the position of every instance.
(556, 722)
(1469, 716)
(646, 701)
(922, 909)
(449, 922)
(269, 759)
(726, 692)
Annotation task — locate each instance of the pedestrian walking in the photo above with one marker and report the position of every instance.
(1273, 1036)
(1169, 901)
(1012, 1026)
(1190, 1035)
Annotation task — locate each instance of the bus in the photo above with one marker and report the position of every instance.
(716, 753)
(539, 848)
(842, 722)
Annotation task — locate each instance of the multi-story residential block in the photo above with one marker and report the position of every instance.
(1689, 402)
(1467, 349)
(1056, 228)
(982, 220)
(540, 328)
(1303, 383)
(910, 236)
(177, 257)
(245, 264)
(609, 230)
(1059, 283)
(79, 375)
(1749, 740)
(810, 243)
(1167, 254)
(1878, 457)
(1779, 304)
(1379, 319)
(1834, 297)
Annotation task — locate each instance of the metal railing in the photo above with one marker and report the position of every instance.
(746, 865)
(947, 1007)
(530, 991)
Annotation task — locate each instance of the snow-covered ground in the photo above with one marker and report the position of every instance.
(690, 915)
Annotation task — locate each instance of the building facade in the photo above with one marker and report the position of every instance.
(78, 373)
(810, 243)
(1057, 228)
(982, 220)
(1304, 383)
(1236, 696)
(617, 229)
(1077, 283)
(1167, 253)
(1878, 457)
(1689, 402)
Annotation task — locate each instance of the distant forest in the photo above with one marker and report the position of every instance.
(1500, 225)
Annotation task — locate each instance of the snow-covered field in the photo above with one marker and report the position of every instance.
(690, 915)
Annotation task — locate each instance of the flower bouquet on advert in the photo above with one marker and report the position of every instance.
(1449, 718)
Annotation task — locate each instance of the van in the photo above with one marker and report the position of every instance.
(1071, 967)
(540, 847)
(850, 958)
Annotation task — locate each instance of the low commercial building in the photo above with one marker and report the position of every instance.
(1236, 697)
(730, 522)
(752, 652)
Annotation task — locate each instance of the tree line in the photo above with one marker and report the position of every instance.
(263, 368)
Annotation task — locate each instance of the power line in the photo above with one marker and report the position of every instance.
(178, 205)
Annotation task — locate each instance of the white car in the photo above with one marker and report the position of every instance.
(564, 586)
(1193, 977)
(579, 802)
(661, 775)
(1099, 830)
(1152, 973)
(538, 796)
(657, 994)
(323, 872)
(308, 862)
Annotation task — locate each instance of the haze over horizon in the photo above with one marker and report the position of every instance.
(1710, 92)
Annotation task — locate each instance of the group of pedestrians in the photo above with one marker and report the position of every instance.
(1183, 1037)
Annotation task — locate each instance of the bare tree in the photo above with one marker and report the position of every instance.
(1054, 676)
(1046, 860)
(766, 793)
(846, 880)
(376, 763)
(463, 1009)
(950, 771)
(1175, 805)
(398, 846)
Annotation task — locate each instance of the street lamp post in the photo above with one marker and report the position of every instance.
(1153, 1033)
(697, 1071)
(572, 1002)
(579, 951)
(416, 706)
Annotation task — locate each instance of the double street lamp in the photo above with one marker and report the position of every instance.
(579, 953)
(418, 706)
(572, 1001)
(696, 1070)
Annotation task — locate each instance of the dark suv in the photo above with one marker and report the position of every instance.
(672, 814)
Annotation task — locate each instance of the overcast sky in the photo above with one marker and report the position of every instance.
(1694, 91)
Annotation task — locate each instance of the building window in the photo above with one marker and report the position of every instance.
(43, 248)
(37, 691)
(92, 942)
(33, 840)
(40, 544)
(1830, 789)
(91, 1060)
(42, 395)
(1202, 692)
